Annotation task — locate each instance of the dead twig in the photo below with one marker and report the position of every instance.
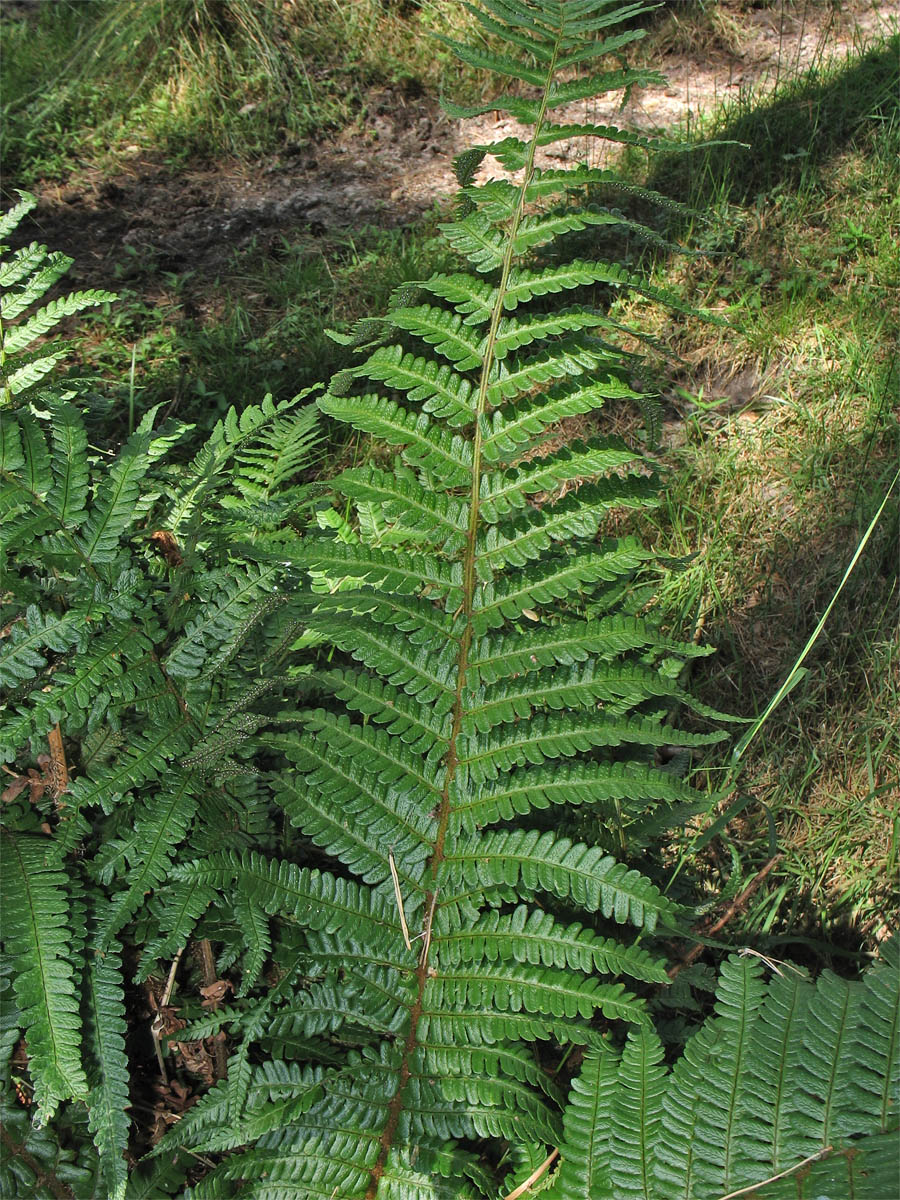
(735, 906)
(754, 1187)
(208, 965)
(533, 1177)
(157, 1025)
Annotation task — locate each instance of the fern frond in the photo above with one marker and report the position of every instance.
(113, 510)
(418, 618)
(39, 942)
(531, 936)
(636, 1115)
(823, 1071)
(104, 1036)
(554, 578)
(873, 1086)
(403, 497)
(311, 898)
(503, 491)
(445, 331)
(442, 391)
(425, 445)
(159, 830)
(512, 152)
(485, 756)
(525, 536)
(68, 496)
(51, 268)
(222, 622)
(20, 657)
(587, 1130)
(764, 1128)
(533, 861)
(405, 574)
(14, 216)
(17, 337)
(507, 987)
(183, 904)
(385, 757)
(35, 474)
(369, 823)
(603, 785)
(506, 655)
(421, 671)
(424, 730)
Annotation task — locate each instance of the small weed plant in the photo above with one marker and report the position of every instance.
(400, 979)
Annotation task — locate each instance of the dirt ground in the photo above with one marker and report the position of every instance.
(395, 165)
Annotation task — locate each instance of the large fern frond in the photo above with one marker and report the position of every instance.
(760, 1102)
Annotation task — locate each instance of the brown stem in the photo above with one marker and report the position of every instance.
(729, 912)
(208, 966)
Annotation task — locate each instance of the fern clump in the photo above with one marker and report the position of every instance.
(414, 948)
(141, 653)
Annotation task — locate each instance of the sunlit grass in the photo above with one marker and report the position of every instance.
(188, 79)
(782, 440)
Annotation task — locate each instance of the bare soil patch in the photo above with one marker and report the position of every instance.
(395, 165)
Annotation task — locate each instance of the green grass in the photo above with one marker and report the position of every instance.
(197, 349)
(188, 79)
(782, 443)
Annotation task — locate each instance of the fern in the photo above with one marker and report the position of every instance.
(763, 1090)
(90, 628)
(414, 945)
(24, 279)
(107, 1100)
(37, 936)
(448, 713)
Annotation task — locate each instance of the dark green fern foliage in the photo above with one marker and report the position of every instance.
(786, 1078)
(135, 629)
(445, 930)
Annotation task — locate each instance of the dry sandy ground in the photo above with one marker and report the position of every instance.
(398, 164)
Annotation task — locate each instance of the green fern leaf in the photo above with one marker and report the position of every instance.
(515, 426)
(532, 861)
(51, 268)
(14, 216)
(316, 899)
(441, 390)
(183, 904)
(113, 510)
(159, 829)
(35, 919)
(530, 936)
(636, 1115)
(37, 326)
(105, 1031)
(68, 496)
(587, 1129)
(424, 445)
(21, 658)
